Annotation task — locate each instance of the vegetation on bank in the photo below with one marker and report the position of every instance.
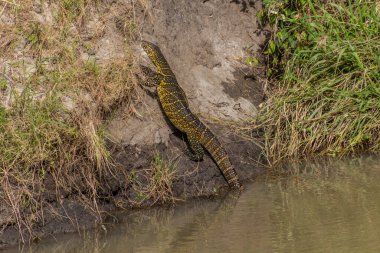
(324, 61)
(157, 186)
(54, 100)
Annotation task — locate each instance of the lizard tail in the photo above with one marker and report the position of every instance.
(219, 154)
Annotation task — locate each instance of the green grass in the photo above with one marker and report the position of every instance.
(325, 64)
(32, 131)
(3, 84)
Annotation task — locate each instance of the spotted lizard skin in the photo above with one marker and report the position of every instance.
(175, 105)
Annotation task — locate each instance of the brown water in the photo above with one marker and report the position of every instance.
(325, 207)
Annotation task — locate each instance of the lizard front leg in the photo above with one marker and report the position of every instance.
(153, 78)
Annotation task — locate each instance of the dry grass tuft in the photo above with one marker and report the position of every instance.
(155, 184)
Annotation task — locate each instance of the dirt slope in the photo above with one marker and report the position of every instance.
(206, 43)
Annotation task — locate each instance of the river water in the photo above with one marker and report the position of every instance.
(315, 207)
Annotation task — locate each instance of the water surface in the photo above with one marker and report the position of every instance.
(315, 207)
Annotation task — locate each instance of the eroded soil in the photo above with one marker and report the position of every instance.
(205, 43)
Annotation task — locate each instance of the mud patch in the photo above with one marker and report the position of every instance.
(245, 86)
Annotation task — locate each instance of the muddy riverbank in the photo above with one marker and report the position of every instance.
(207, 44)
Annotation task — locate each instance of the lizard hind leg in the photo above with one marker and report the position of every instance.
(196, 151)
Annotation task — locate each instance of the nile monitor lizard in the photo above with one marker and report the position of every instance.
(174, 103)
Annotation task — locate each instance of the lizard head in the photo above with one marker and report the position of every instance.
(149, 48)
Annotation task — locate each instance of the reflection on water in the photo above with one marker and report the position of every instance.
(318, 207)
